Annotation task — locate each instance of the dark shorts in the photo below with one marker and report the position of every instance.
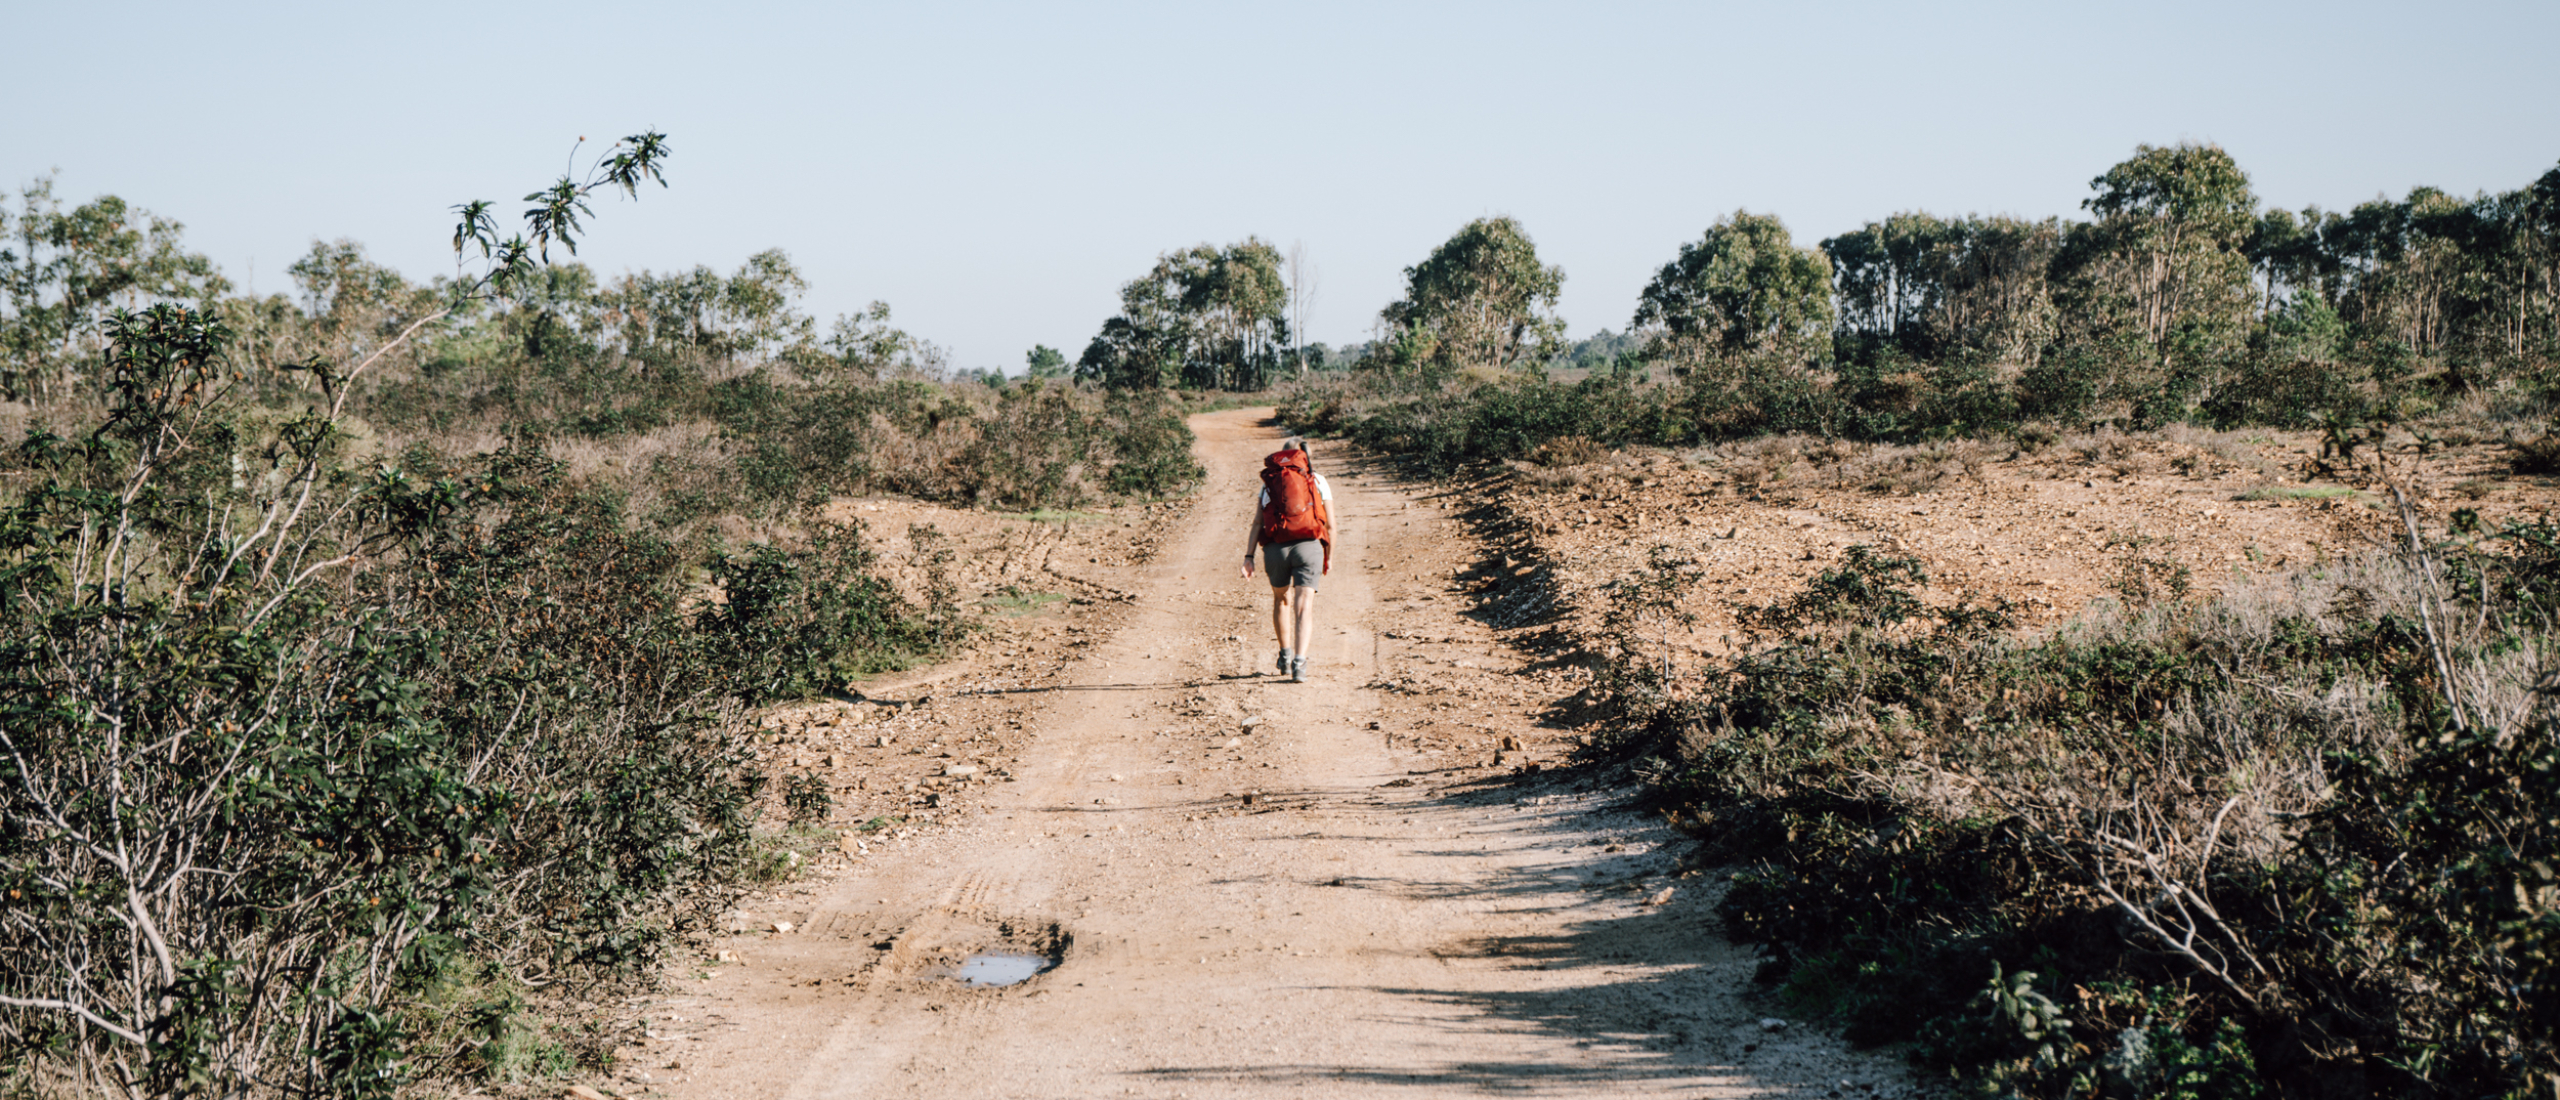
(1294, 563)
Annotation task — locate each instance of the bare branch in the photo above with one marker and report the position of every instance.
(81, 1011)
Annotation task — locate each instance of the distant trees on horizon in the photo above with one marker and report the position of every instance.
(2177, 275)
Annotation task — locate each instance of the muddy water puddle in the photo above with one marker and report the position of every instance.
(1001, 968)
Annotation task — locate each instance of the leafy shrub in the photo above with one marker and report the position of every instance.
(293, 747)
(2279, 392)
(2539, 455)
(1444, 427)
(806, 799)
(1051, 446)
(1024, 447)
(2252, 842)
(794, 623)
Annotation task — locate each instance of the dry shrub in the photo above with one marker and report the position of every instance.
(1548, 477)
(2220, 452)
(2539, 455)
(1903, 471)
(14, 421)
(1776, 460)
(1571, 450)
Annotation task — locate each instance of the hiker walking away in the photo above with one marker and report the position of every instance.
(1293, 527)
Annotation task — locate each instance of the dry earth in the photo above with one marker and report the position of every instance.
(1381, 882)
(2049, 530)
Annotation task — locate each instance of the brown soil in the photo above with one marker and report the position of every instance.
(2049, 530)
(1381, 882)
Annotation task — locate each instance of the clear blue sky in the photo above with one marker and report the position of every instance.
(996, 171)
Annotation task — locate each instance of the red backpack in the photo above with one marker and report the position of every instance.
(1296, 511)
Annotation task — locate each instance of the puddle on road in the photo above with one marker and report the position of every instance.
(1001, 968)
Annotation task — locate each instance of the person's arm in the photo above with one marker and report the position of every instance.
(1324, 500)
(1252, 537)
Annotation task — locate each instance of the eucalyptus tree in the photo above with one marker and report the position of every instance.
(1481, 299)
(1204, 316)
(1144, 345)
(2440, 275)
(1302, 297)
(752, 314)
(1744, 317)
(1931, 286)
(2166, 260)
(1743, 288)
(2286, 258)
(2405, 262)
(1882, 276)
(1241, 300)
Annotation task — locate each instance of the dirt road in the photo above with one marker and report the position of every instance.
(1379, 917)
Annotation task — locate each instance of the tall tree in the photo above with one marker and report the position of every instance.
(1740, 289)
(1481, 299)
(2167, 260)
(62, 272)
(753, 314)
(1043, 361)
(1930, 286)
(1302, 297)
(1206, 317)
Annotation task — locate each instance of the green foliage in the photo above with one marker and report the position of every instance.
(1045, 363)
(2294, 368)
(296, 740)
(683, 320)
(2202, 865)
(1742, 289)
(1481, 299)
(1443, 429)
(797, 623)
(62, 273)
(2162, 269)
(806, 799)
(1602, 352)
(2179, 301)
(372, 711)
(1931, 287)
(1204, 318)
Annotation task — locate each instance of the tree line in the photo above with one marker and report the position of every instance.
(2180, 296)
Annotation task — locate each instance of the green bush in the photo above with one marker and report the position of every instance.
(794, 623)
(289, 747)
(2248, 842)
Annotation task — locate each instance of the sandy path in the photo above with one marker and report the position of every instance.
(1335, 936)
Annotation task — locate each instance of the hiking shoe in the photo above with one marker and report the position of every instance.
(1284, 661)
(1297, 670)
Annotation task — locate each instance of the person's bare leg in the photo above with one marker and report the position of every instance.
(1305, 614)
(1280, 622)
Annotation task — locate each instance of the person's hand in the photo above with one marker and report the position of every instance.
(1245, 572)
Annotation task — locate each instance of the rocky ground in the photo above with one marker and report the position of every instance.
(2049, 529)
